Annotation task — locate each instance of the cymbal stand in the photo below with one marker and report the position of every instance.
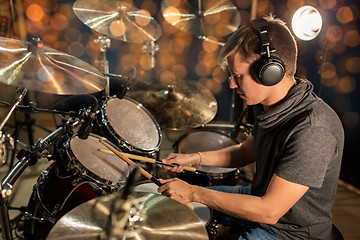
(105, 43)
(26, 158)
(18, 100)
(151, 48)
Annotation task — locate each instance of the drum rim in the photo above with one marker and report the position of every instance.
(117, 136)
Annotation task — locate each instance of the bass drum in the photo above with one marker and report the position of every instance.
(207, 140)
(80, 174)
(129, 125)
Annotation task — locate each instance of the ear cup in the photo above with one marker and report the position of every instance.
(269, 71)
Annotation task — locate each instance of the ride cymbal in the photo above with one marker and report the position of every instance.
(117, 19)
(215, 18)
(180, 105)
(38, 68)
(158, 218)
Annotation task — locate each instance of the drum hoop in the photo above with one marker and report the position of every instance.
(84, 172)
(121, 140)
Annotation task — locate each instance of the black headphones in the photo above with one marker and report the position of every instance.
(268, 70)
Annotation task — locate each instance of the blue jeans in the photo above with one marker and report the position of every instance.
(254, 231)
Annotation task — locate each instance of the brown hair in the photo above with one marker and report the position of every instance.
(246, 41)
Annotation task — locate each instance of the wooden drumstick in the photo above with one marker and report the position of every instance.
(149, 160)
(142, 171)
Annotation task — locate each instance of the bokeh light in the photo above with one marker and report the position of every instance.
(353, 65)
(35, 12)
(350, 119)
(346, 84)
(344, 15)
(117, 28)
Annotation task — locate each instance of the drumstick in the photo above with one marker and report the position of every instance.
(149, 160)
(142, 171)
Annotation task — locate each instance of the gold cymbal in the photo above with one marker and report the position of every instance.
(39, 68)
(216, 18)
(160, 218)
(180, 105)
(117, 19)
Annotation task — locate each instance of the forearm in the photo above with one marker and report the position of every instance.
(242, 206)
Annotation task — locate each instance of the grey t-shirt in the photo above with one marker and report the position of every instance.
(301, 140)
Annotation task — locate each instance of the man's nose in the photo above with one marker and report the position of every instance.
(232, 83)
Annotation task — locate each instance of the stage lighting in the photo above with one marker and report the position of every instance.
(306, 23)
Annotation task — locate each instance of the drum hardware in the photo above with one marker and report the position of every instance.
(123, 79)
(141, 170)
(104, 43)
(177, 105)
(118, 20)
(26, 158)
(127, 124)
(151, 48)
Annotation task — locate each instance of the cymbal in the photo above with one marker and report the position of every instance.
(117, 19)
(217, 18)
(161, 218)
(180, 105)
(43, 69)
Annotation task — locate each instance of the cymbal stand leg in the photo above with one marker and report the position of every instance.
(105, 43)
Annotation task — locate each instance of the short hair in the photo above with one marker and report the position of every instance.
(247, 42)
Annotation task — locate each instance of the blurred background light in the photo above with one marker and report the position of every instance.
(306, 23)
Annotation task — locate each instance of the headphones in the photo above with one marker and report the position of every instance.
(268, 70)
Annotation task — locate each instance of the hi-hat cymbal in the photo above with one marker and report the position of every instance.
(161, 218)
(117, 19)
(39, 68)
(216, 18)
(180, 105)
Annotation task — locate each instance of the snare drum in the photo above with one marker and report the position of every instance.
(84, 174)
(202, 211)
(206, 140)
(129, 125)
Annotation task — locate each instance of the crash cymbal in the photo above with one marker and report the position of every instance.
(117, 19)
(180, 105)
(36, 67)
(159, 218)
(216, 18)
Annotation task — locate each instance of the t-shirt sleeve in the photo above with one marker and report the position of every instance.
(307, 155)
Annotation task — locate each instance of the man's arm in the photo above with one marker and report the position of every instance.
(280, 196)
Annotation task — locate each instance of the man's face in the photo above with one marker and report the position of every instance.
(248, 89)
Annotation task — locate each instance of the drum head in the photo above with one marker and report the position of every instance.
(201, 210)
(202, 141)
(133, 123)
(104, 165)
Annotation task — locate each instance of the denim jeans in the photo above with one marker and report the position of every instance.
(254, 231)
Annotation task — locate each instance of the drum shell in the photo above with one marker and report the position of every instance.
(53, 196)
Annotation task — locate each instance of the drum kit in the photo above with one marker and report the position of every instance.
(87, 193)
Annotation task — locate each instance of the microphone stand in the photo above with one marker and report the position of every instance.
(26, 158)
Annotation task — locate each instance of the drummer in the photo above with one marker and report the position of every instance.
(296, 142)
